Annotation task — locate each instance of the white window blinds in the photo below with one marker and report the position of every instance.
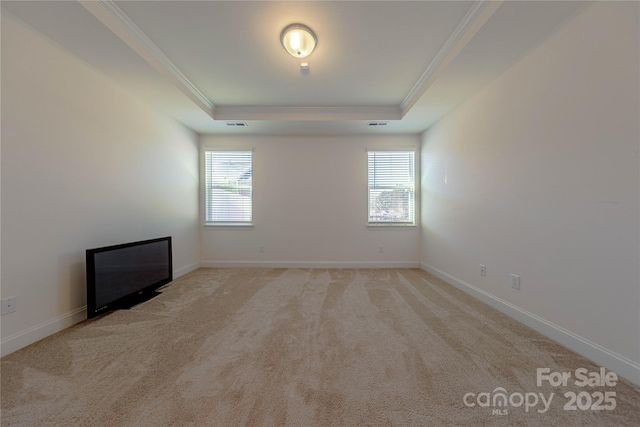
(228, 187)
(391, 187)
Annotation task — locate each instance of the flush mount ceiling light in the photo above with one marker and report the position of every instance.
(299, 40)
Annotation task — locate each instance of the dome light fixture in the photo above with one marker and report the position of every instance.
(299, 40)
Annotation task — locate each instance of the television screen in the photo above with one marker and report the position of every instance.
(123, 275)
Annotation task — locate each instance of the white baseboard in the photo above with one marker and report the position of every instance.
(598, 354)
(307, 264)
(186, 269)
(35, 333)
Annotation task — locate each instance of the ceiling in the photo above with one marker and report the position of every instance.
(207, 63)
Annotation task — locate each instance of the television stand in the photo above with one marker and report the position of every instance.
(134, 300)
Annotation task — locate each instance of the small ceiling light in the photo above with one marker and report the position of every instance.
(299, 40)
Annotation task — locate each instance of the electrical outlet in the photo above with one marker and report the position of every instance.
(8, 305)
(515, 281)
(380, 249)
(483, 270)
(261, 249)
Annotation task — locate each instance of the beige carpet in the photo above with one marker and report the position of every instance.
(314, 347)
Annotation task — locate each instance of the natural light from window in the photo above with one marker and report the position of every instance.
(391, 178)
(228, 193)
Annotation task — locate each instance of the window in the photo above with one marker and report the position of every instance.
(228, 187)
(391, 187)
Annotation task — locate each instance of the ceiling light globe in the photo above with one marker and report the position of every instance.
(299, 40)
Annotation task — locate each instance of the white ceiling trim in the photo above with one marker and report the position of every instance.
(107, 12)
(475, 18)
(307, 113)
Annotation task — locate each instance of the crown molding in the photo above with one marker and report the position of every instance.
(107, 12)
(307, 113)
(474, 19)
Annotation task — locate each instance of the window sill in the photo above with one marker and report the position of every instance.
(229, 225)
(383, 226)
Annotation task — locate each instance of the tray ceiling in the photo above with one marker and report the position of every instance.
(207, 62)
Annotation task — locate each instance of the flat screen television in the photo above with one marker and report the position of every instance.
(125, 275)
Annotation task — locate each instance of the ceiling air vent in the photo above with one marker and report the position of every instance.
(236, 124)
(377, 123)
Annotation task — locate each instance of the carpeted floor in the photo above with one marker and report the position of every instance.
(304, 347)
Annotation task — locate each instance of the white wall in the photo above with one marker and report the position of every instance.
(84, 164)
(538, 175)
(309, 206)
